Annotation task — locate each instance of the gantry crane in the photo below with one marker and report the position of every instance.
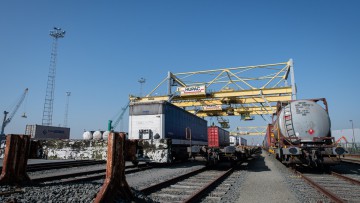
(244, 91)
(7, 120)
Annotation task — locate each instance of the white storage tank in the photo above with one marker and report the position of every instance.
(106, 135)
(97, 135)
(87, 135)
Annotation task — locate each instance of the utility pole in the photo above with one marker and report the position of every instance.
(66, 108)
(353, 138)
(56, 33)
(141, 81)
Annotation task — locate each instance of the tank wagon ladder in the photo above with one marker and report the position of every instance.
(288, 122)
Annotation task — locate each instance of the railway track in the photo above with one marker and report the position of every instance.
(351, 161)
(87, 175)
(189, 187)
(59, 165)
(337, 187)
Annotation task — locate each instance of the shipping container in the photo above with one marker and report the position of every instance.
(234, 141)
(47, 132)
(218, 137)
(243, 141)
(163, 120)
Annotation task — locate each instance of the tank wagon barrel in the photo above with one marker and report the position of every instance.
(301, 134)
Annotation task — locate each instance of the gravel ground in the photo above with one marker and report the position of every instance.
(228, 190)
(85, 192)
(264, 183)
(302, 191)
(263, 179)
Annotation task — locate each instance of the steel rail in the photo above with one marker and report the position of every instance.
(90, 175)
(350, 161)
(200, 193)
(196, 195)
(57, 165)
(321, 189)
(155, 187)
(5, 193)
(354, 181)
(66, 164)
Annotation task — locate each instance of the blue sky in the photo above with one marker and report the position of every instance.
(109, 45)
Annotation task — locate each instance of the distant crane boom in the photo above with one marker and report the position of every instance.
(7, 120)
(117, 121)
(341, 138)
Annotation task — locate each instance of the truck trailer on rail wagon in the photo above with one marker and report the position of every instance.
(165, 132)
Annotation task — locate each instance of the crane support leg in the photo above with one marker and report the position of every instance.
(115, 185)
(15, 160)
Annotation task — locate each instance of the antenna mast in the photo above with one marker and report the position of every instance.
(49, 97)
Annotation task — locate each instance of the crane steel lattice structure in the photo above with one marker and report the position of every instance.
(141, 81)
(49, 98)
(239, 91)
(249, 130)
(66, 109)
(7, 120)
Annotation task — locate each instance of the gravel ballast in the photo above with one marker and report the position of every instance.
(86, 192)
(264, 183)
(262, 179)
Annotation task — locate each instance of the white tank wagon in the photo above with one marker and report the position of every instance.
(302, 132)
(303, 120)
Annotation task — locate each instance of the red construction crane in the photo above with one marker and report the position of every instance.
(341, 138)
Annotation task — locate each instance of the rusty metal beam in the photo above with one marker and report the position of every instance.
(115, 185)
(15, 160)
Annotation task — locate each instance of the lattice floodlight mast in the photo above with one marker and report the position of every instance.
(66, 109)
(141, 81)
(243, 91)
(56, 33)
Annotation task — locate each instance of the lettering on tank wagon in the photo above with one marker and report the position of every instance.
(303, 108)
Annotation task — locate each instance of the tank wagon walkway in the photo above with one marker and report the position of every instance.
(264, 183)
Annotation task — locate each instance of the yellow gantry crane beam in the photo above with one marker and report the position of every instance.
(218, 98)
(235, 111)
(239, 91)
